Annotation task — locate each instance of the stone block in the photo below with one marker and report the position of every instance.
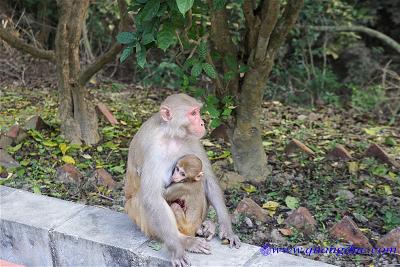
(221, 255)
(25, 222)
(4, 190)
(97, 237)
(283, 260)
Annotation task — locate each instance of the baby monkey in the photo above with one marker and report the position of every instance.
(186, 196)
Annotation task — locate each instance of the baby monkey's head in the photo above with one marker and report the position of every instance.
(188, 167)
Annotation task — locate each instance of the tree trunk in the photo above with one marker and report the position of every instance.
(265, 33)
(77, 113)
(248, 152)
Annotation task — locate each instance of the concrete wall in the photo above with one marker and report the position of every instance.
(36, 230)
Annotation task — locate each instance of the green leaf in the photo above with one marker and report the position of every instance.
(125, 53)
(126, 37)
(147, 38)
(202, 50)
(165, 38)
(209, 70)
(215, 123)
(196, 70)
(379, 170)
(229, 75)
(36, 189)
(68, 159)
(249, 188)
(63, 147)
(390, 141)
(212, 100)
(141, 56)
(36, 135)
(227, 112)
(155, 245)
(150, 10)
(243, 68)
(13, 149)
(184, 5)
(231, 62)
(214, 113)
(119, 169)
(190, 62)
(49, 143)
(218, 4)
(292, 202)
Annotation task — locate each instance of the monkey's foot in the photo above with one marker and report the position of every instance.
(180, 262)
(197, 245)
(207, 230)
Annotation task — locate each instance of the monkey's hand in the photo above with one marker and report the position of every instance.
(207, 230)
(227, 233)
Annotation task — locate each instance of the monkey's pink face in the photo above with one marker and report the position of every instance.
(178, 174)
(196, 124)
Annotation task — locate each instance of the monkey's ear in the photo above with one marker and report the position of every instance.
(165, 113)
(198, 176)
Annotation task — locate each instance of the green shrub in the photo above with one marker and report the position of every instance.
(368, 98)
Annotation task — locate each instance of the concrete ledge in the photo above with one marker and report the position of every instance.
(37, 230)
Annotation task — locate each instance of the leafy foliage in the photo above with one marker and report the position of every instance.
(162, 24)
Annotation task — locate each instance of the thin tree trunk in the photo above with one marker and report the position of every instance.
(77, 113)
(266, 33)
(248, 152)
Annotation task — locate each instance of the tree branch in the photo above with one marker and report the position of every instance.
(107, 57)
(222, 43)
(270, 13)
(284, 25)
(248, 11)
(373, 33)
(21, 45)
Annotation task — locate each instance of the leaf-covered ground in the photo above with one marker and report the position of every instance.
(371, 189)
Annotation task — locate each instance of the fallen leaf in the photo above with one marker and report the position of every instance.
(155, 245)
(353, 167)
(387, 189)
(207, 142)
(390, 141)
(49, 143)
(86, 156)
(270, 205)
(267, 143)
(292, 202)
(249, 188)
(374, 130)
(286, 231)
(280, 219)
(63, 147)
(68, 159)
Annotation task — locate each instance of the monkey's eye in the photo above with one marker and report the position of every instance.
(194, 112)
(183, 174)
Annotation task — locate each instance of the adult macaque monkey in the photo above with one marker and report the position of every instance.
(187, 198)
(168, 135)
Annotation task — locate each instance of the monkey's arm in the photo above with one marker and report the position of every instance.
(175, 191)
(159, 214)
(215, 196)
